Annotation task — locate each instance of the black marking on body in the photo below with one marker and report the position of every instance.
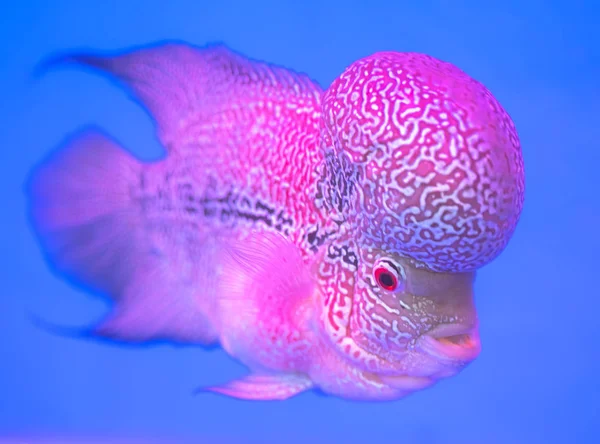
(229, 207)
(336, 186)
(174, 196)
(316, 236)
(343, 253)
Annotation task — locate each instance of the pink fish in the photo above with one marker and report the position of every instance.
(327, 239)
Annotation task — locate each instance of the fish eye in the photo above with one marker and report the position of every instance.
(387, 275)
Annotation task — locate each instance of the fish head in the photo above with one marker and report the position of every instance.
(423, 174)
(417, 321)
(393, 316)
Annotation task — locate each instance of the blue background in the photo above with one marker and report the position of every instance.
(537, 377)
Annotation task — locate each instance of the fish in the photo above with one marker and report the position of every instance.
(326, 238)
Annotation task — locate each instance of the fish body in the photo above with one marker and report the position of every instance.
(326, 239)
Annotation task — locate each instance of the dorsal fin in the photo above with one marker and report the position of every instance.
(184, 86)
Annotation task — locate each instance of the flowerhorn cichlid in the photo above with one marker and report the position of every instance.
(326, 239)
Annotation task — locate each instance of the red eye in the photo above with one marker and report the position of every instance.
(386, 278)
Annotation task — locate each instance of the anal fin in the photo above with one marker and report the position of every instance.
(157, 304)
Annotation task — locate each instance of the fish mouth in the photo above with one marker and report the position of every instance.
(452, 342)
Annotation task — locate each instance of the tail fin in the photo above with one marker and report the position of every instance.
(92, 231)
(82, 212)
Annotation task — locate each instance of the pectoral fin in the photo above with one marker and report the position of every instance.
(264, 387)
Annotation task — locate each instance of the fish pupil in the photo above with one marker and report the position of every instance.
(386, 279)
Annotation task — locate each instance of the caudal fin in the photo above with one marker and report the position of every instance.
(84, 215)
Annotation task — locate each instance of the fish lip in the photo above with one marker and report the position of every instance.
(434, 342)
(407, 383)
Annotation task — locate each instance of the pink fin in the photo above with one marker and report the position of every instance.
(93, 232)
(183, 86)
(265, 273)
(156, 305)
(264, 387)
(81, 211)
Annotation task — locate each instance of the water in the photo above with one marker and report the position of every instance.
(536, 379)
